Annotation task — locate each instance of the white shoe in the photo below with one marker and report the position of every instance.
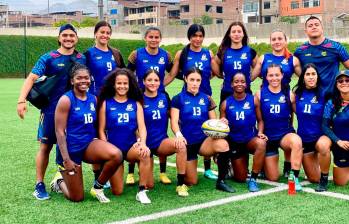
(99, 194)
(142, 197)
(54, 183)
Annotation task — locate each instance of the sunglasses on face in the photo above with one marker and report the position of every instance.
(340, 81)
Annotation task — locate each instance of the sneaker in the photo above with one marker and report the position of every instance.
(182, 190)
(322, 186)
(164, 179)
(252, 185)
(222, 186)
(40, 192)
(130, 179)
(210, 175)
(107, 185)
(54, 183)
(99, 194)
(297, 184)
(142, 197)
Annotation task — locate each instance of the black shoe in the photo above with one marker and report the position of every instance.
(322, 185)
(222, 186)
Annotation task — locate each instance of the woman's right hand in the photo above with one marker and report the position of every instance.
(70, 166)
(343, 144)
(180, 142)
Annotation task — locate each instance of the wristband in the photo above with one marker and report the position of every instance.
(179, 134)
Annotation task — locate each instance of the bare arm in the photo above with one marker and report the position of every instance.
(260, 122)
(141, 124)
(222, 109)
(297, 66)
(216, 62)
(346, 64)
(102, 122)
(27, 85)
(257, 68)
(174, 71)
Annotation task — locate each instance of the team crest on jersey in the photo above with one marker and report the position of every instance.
(246, 106)
(284, 62)
(324, 53)
(161, 104)
(204, 57)
(314, 100)
(243, 56)
(99, 57)
(202, 101)
(161, 61)
(60, 65)
(129, 107)
(112, 58)
(282, 99)
(77, 108)
(92, 107)
(145, 61)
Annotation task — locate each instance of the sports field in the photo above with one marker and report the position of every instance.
(204, 205)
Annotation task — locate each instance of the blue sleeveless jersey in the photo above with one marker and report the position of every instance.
(340, 120)
(237, 60)
(100, 64)
(81, 123)
(156, 119)
(202, 61)
(309, 111)
(276, 113)
(326, 58)
(241, 115)
(121, 123)
(146, 61)
(52, 63)
(193, 111)
(286, 65)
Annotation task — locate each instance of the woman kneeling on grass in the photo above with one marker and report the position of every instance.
(121, 120)
(75, 122)
(336, 126)
(190, 108)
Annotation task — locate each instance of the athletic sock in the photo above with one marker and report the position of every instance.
(97, 173)
(98, 185)
(207, 164)
(180, 179)
(163, 167)
(287, 166)
(295, 172)
(324, 176)
(223, 165)
(254, 175)
(131, 168)
(141, 188)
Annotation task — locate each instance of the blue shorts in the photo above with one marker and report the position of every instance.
(340, 156)
(193, 151)
(309, 147)
(76, 157)
(46, 130)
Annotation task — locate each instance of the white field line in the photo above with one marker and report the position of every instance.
(191, 208)
(327, 194)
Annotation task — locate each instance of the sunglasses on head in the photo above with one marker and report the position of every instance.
(343, 80)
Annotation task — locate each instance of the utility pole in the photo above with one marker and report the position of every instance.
(48, 7)
(260, 12)
(100, 10)
(158, 15)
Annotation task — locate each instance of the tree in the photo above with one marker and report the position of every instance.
(289, 19)
(89, 22)
(203, 20)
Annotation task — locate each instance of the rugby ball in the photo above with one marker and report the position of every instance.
(215, 128)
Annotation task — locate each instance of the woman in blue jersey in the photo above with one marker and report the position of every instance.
(309, 106)
(280, 55)
(75, 122)
(194, 55)
(101, 58)
(156, 114)
(189, 109)
(276, 110)
(121, 122)
(290, 64)
(336, 126)
(141, 60)
(240, 111)
(150, 57)
(234, 55)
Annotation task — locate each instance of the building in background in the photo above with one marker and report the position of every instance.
(3, 15)
(115, 13)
